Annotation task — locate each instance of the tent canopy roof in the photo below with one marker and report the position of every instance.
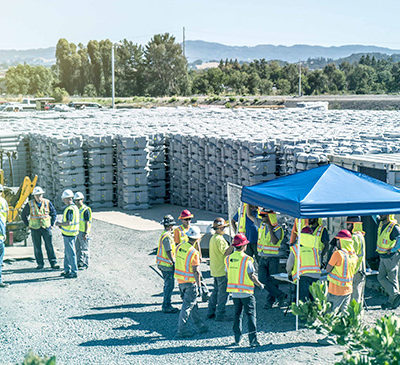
(326, 191)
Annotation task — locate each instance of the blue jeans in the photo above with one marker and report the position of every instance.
(249, 306)
(82, 250)
(70, 264)
(219, 296)
(1, 257)
(169, 284)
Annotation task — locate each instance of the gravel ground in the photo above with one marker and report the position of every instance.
(111, 314)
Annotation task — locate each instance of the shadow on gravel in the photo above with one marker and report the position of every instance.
(177, 350)
(273, 347)
(125, 306)
(37, 280)
(26, 271)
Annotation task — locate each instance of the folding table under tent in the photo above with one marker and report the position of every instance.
(326, 191)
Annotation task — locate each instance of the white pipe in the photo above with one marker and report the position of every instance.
(298, 269)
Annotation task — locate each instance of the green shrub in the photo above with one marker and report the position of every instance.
(256, 100)
(232, 99)
(228, 105)
(193, 100)
(172, 100)
(242, 100)
(60, 95)
(32, 359)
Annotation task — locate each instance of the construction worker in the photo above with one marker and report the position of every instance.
(247, 227)
(355, 227)
(388, 245)
(270, 237)
(293, 234)
(310, 266)
(188, 275)
(85, 225)
(40, 215)
(3, 222)
(219, 248)
(166, 262)
(341, 269)
(241, 280)
(70, 229)
(180, 231)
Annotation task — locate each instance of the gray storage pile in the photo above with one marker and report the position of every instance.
(157, 176)
(58, 161)
(100, 175)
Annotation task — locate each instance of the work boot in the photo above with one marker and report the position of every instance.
(184, 334)
(282, 299)
(396, 302)
(70, 276)
(211, 315)
(39, 267)
(170, 310)
(255, 343)
(4, 285)
(55, 267)
(64, 273)
(386, 305)
(203, 329)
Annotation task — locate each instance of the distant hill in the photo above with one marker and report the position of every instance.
(39, 56)
(208, 51)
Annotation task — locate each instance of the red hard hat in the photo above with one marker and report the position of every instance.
(240, 240)
(344, 233)
(185, 214)
(306, 229)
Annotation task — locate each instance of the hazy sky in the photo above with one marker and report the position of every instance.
(40, 23)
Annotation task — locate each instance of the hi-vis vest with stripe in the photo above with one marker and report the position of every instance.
(343, 275)
(384, 243)
(264, 243)
(73, 229)
(82, 222)
(185, 253)
(359, 248)
(242, 218)
(39, 217)
(309, 256)
(162, 258)
(238, 277)
(182, 234)
(3, 218)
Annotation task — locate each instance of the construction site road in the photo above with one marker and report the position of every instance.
(112, 314)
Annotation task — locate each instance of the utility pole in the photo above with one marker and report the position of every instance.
(183, 43)
(299, 78)
(112, 78)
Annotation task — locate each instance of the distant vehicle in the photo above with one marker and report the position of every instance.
(314, 105)
(84, 105)
(60, 108)
(28, 104)
(8, 107)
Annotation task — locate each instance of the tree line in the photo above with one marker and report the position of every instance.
(160, 69)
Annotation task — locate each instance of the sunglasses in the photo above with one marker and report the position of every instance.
(187, 219)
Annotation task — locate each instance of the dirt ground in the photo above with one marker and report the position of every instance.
(112, 314)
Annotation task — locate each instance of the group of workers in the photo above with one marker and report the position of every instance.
(257, 246)
(40, 215)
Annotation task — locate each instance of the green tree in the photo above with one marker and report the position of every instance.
(283, 86)
(105, 54)
(165, 70)
(68, 64)
(96, 66)
(361, 79)
(318, 82)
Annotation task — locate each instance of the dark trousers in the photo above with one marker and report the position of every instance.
(169, 283)
(251, 251)
(249, 306)
(37, 235)
(304, 288)
(268, 266)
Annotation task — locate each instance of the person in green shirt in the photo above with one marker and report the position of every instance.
(219, 248)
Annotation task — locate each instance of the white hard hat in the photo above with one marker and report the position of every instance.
(194, 232)
(67, 194)
(1, 187)
(37, 191)
(79, 196)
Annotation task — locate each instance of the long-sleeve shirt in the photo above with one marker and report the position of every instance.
(27, 211)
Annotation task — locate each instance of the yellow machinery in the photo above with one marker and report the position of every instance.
(15, 202)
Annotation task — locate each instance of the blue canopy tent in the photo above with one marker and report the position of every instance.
(326, 191)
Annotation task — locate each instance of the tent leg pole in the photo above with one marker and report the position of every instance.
(298, 269)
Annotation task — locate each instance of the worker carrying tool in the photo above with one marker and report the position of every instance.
(219, 248)
(188, 274)
(355, 227)
(3, 221)
(270, 237)
(310, 266)
(341, 269)
(83, 238)
(70, 229)
(247, 227)
(241, 280)
(388, 245)
(166, 262)
(40, 215)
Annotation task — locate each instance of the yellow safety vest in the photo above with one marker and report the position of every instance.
(182, 234)
(384, 243)
(238, 278)
(3, 218)
(185, 252)
(73, 229)
(242, 219)
(343, 275)
(264, 243)
(359, 248)
(309, 256)
(162, 258)
(39, 217)
(82, 222)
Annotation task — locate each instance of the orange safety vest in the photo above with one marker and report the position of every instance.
(343, 275)
(162, 257)
(39, 217)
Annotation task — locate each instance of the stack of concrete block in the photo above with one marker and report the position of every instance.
(132, 172)
(101, 168)
(157, 175)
